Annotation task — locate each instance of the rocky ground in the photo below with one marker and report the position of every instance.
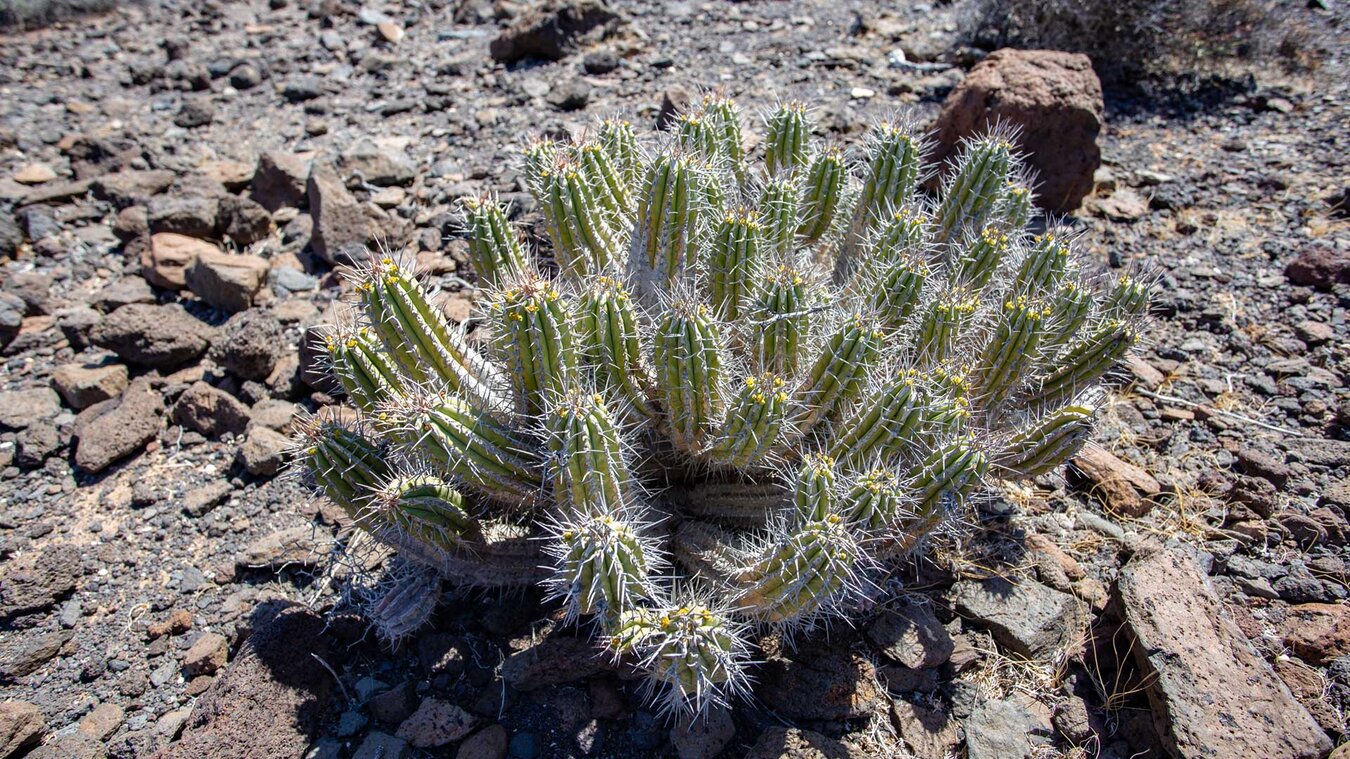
(179, 179)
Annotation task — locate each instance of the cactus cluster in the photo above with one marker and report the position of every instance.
(742, 382)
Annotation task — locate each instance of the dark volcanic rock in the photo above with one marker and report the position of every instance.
(115, 429)
(1319, 265)
(159, 337)
(818, 685)
(210, 411)
(1212, 695)
(792, 743)
(244, 220)
(189, 215)
(26, 654)
(250, 345)
(344, 228)
(1031, 619)
(279, 180)
(270, 700)
(227, 281)
(49, 576)
(552, 31)
(553, 661)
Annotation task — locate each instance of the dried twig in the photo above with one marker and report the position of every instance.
(1219, 412)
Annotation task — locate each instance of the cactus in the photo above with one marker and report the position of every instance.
(736, 394)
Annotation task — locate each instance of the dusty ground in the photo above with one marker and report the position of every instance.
(1237, 406)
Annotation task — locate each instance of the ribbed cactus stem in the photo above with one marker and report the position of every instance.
(837, 376)
(783, 321)
(786, 144)
(980, 257)
(943, 324)
(590, 476)
(540, 155)
(948, 472)
(1012, 350)
(693, 655)
(811, 568)
(894, 168)
(874, 501)
(1016, 207)
(347, 467)
(973, 191)
(945, 416)
(1129, 297)
(896, 293)
(813, 489)
(902, 237)
(696, 135)
(612, 188)
(723, 117)
(469, 445)
(1044, 266)
(494, 247)
(778, 214)
(583, 241)
(603, 565)
(754, 423)
(821, 195)
(688, 368)
(427, 509)
(1051, 441)
(1085, 361)
(668, 219)
(1071, 305)
(739, 503)
(734, 263)
(620, 143)
(887, 420)
(607, 327)
(536, 341)
(362, 368)
(418, 337)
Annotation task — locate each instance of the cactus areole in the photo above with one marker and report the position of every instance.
(738, 387)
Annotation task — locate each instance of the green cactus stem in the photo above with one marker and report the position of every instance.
(688, 359)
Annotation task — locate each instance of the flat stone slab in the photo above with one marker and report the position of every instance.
(1212, 695)
(1025, 617)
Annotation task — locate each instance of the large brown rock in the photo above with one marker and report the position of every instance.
(1318, 633)
(165, 261)
(270, 701)
(1212, 695)
(228, 282)
(83, 385)
(279, 179)
(1054, 99)
(1125, 489)
(344, 228)
(818, 685)
(553, 30)
(112, 430)
(1320, 266)
(158, 337)
(210, 411)
(21, 726)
